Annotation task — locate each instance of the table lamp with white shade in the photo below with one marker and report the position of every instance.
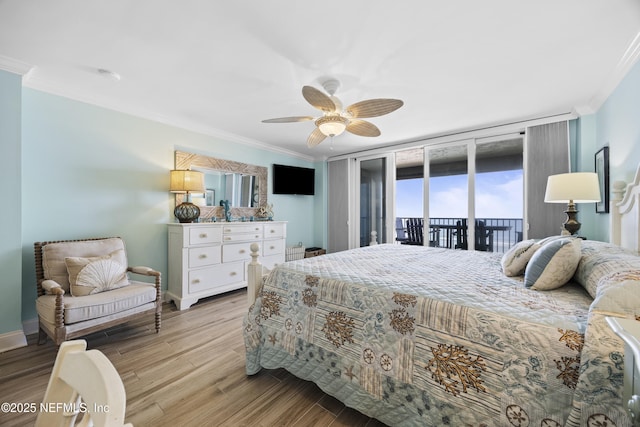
(186, 181)
(572, 188)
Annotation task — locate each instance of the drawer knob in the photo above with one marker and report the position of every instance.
(203, 235)
(233, 273)
(227, 238)
(272, 231)
(202, 256)
(272, 247)
(257, 229)
(242, 251)
(196, 281)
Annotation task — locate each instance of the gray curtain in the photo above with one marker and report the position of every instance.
(547, 154)
(338, 205)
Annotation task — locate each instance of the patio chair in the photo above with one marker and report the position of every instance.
(401, 233)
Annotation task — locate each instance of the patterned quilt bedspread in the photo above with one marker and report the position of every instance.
(428, 336)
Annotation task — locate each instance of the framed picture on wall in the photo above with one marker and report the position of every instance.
(602, 169)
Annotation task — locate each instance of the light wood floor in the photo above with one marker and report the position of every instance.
(190, 374)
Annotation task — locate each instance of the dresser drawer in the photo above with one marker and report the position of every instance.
(242, 228)
(211, 277)
(204, 235)
(242, 237)
(273, 247)
(236, 252)
(274, 230)
(205, 255)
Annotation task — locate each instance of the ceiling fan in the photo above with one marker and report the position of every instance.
(335, 119)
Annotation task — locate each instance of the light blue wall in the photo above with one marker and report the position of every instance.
(617, 125)
(91, 172)
(10, 214)
(583, 155)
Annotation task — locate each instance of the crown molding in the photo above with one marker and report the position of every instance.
(628, 60)
(42, 85)
(14, 66)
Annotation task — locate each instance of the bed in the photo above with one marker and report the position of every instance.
(429, 336)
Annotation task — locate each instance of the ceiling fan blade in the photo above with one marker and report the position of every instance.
(315, 138)
(362, 128)
(318, 99)
(374, 107)
(289, 119)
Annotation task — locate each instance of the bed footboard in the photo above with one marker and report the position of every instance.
(255, 273)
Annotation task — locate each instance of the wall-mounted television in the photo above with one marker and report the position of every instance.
(293, 180)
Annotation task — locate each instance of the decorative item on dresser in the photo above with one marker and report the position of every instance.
(211, 258)
(186, 181)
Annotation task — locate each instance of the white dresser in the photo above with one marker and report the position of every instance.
(211, 258)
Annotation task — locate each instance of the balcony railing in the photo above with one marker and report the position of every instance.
(492, 234)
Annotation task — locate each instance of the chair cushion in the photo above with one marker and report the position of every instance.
(53, 255)
(96, 274)
(78, 309)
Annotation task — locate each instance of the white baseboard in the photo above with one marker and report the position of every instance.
(12, 340)
(30, 326)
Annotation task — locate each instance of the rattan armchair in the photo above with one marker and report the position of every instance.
(64, 314)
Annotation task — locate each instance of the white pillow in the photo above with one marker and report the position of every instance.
(553, 264)
(96, 274)
(515, 260)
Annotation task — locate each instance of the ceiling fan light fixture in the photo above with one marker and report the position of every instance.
(332, 125)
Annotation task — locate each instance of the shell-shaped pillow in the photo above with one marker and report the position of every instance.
(102, 275)
(96, 274)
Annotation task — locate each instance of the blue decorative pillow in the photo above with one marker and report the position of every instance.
(553, 264)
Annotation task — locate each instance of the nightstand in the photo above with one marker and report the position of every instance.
(629, 331)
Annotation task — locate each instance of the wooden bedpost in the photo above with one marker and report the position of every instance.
(254, 274)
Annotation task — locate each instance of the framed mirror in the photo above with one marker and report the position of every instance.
(244, 185)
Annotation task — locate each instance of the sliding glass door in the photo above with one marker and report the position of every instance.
(499, 193)
(409, 196)
(375, 188)
(448, 188)
(475, 182)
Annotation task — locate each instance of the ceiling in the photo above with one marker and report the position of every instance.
(220, 68)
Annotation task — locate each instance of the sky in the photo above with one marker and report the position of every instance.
(498, 195)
